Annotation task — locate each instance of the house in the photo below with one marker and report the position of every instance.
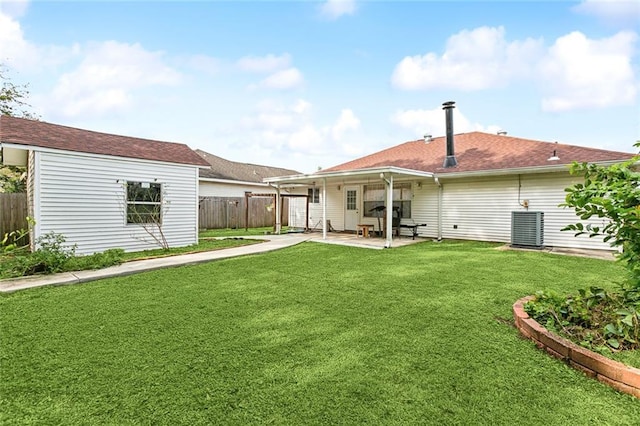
(103, 191)
(471, 186)
(224, 193)
(232, 179)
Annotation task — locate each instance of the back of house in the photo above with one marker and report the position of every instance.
(471, 186)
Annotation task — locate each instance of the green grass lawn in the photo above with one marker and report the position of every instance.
(312, 334)
(80, 263)
(228, 232)
(203, 245)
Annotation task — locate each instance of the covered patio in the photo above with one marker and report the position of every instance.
(342, 193)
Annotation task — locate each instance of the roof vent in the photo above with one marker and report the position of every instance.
(427, 138)
(554, 156)
(502, 133)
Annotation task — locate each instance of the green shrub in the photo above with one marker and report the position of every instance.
(601, 320)
(613, 194)
(51, 256)
(594, 318)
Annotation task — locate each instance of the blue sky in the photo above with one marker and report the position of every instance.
(303, 85)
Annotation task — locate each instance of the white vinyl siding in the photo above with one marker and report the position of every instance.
(335, 209)
(545, 192)
(424, 209)
(83, 198)
(481, 209)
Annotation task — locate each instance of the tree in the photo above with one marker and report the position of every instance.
(13, 98)
(13, 102)
(612, 193)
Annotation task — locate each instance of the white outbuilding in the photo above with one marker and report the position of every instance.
(103, 191)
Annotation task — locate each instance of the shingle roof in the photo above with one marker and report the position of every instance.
(478, 151)
(21, 131)
(231, 170)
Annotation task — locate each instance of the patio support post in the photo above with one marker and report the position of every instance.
(278, 207)
(324, 208)
(389, 223)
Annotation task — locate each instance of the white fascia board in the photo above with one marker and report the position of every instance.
(519, 171)
(358, 173)
(233, 182)
(92, 155)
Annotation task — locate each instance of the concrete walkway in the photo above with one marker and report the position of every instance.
(273, 242)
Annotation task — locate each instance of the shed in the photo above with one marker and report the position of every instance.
(103, 191)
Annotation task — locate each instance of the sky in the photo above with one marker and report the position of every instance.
(306, 85)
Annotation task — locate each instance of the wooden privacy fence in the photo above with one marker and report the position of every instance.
(229, 212)
(13, 213)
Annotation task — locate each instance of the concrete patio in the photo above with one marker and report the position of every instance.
(351, 239)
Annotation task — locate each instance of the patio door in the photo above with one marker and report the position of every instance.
(352, 207)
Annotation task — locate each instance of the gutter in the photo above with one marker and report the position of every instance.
(348, 173)
(521, 170)
(234, 182)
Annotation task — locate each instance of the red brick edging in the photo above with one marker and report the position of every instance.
(615, 374)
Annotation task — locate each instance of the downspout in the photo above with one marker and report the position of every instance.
(389, 222)
(435, 178)
(278, 207)
(324, 208)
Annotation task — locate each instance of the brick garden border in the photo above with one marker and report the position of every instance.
(613, 373)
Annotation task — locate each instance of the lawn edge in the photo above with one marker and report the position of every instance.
(619, 376)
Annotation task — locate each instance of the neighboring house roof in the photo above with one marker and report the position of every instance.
(231, 170)
(478, 151)
(31, 133)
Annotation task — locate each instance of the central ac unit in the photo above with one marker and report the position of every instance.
(527, 229)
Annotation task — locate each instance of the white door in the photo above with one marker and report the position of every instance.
(352, 208)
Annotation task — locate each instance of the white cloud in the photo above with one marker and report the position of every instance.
(292, 130)
(575, 72)
(617, 12)
(582, 73)
(107, 79)
(421, 121)
(282, 75)
(14, 8)
(334, 9)
(290, 78)
(346, 122)
(18, 53)
(204, 63)
(301, 106)
(473, 60)
(264, 64)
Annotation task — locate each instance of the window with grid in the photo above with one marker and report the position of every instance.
(352, 199)
(314, 195)
(144, 202)
(374, 196)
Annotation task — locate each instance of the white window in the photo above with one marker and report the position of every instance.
(314, 195)
(144, 202)
(374, 198)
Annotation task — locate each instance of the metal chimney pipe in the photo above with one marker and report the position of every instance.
(450, 160)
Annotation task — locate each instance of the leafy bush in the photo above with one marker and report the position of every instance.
(16, 241)
(51, 256)
(594, 318)
(611, 193)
